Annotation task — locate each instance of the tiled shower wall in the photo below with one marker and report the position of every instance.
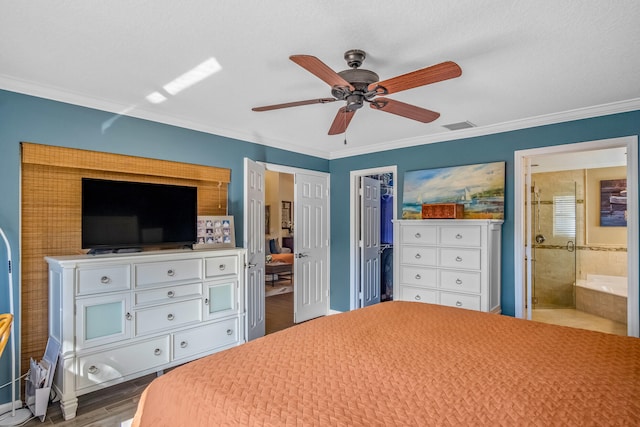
(553, 275)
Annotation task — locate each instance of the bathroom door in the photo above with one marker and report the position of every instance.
(553, 241)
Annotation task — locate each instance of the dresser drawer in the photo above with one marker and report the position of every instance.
(117, 363)
(168, 316)
(168, 271)
(411, 293)
(460, 235)
(93, 280)
(460, 258)
(419, 276)
(419, 255)
(419, 234)
(471, 302)
(204, 338)
(167, 294)
(221, 266)
(466, 281)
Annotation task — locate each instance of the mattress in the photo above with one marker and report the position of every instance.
(410, 364)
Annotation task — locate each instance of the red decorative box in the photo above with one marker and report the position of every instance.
(442, 211)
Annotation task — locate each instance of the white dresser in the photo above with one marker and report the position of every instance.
(122, 316)
(449, 262)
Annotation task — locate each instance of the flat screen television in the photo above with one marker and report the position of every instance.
(123, 215)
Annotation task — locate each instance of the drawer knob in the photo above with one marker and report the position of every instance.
(170, 316)
(458, 236)
(418, 298)
(222, 267)
(171, 294)
(229, 331)
(458, 259)
(157, 352)
(418, 256)
(105, 280)
(418, 235)
(171, 272)
(128, 316)
(183, 344)
(459, 282)
(418, 277)
(93, 369)
(458, 304)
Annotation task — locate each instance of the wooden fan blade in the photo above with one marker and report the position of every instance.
(294, 104)
(405, 110)
(435, 73)
(320, 70)
(342, 120)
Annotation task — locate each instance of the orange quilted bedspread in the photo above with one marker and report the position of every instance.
(409, 364)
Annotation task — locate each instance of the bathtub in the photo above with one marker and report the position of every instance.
(615, 285)
(603, 296)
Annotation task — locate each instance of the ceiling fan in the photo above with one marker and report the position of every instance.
(357, 86)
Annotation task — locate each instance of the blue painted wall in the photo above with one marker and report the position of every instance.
(37, 120)
(26, 118)
(490, 148)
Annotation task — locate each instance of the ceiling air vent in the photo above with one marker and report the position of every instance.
(458, 126)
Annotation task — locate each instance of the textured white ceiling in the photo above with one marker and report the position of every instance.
(523, 62)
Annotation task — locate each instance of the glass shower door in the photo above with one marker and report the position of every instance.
(554, 241)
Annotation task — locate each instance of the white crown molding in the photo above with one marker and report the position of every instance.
(56, 94)
(547, 119)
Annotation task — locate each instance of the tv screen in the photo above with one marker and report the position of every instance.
(132, 215)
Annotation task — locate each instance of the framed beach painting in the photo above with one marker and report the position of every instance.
(479, 188)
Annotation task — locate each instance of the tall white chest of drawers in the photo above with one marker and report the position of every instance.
(449, 262)
(122, 316)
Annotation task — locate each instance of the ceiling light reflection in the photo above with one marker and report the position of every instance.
(156, 98)
(193, 76)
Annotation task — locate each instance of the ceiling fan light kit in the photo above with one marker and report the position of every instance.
(356, 86)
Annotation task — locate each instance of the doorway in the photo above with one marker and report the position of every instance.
(308, 217)
(373, 208)
(549, 179)
(279, 249)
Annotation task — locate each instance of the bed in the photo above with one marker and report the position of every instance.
(406, 363)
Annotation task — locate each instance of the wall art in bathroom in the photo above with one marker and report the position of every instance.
(613, 203)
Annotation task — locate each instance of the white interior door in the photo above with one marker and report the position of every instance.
(528, 239)
(370, 240)
(254, 241)
(311, 242)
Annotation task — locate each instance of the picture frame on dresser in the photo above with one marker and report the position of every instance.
(215, 232)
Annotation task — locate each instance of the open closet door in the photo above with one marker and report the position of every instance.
(370, 240)
(254, 241)
(311, 242)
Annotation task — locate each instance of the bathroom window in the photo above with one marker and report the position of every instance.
(564, 215)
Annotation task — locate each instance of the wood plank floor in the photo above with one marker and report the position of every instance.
(278, 312)
(116, 405)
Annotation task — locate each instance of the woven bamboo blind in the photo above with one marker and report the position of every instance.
(51, 214)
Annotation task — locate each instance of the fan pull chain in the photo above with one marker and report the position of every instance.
(345, 129)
